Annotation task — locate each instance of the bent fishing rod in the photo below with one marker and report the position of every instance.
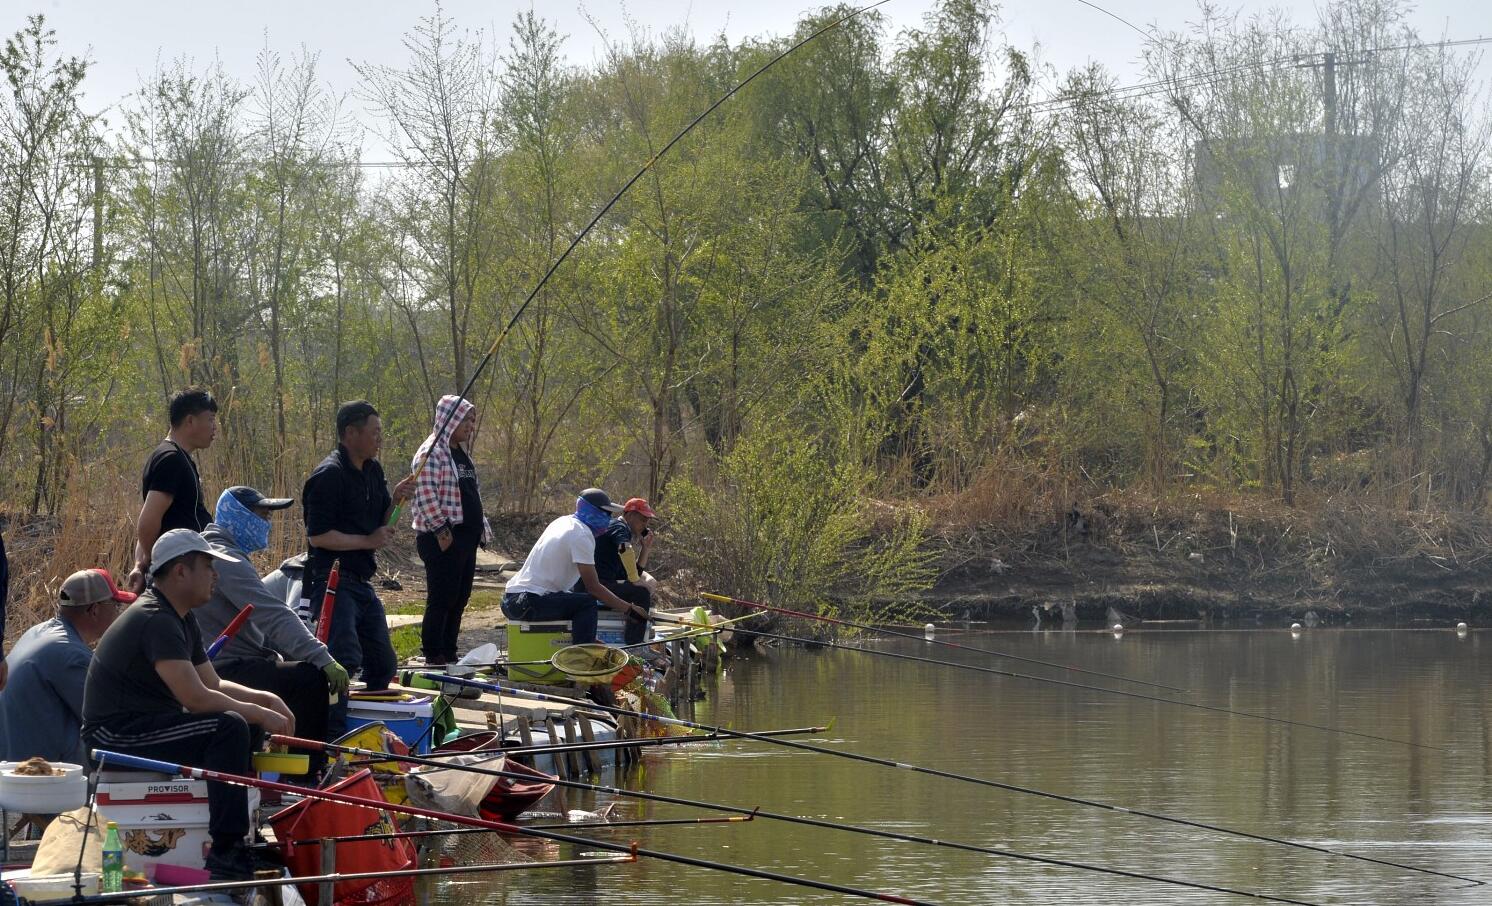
(1283, 721)
(606, 208)
(104, 757)
(1106, 806)
(754, 813)
(723, 599)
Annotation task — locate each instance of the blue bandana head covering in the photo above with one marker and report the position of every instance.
(595, 518)
(251, 531)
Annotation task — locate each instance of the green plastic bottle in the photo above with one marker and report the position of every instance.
(113, 860)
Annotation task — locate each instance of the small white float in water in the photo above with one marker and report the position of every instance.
(927, 631)
(1295, 627)
(1461, 627)
(1118, 627)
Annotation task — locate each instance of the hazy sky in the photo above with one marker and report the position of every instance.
(124, 38)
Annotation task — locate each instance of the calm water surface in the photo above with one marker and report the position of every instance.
(1380, 799)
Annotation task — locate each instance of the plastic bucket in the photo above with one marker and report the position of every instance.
(313, 819)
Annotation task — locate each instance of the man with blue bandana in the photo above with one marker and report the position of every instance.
(564, 555)
(273, 651)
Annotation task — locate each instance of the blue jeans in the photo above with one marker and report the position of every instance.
(580, 610)
(359, 639)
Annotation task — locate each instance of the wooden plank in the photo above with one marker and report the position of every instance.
(588, 734)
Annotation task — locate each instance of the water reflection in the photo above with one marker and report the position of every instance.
(1387, 801)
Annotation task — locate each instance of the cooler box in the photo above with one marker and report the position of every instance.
(536, 642)
(408, 718)
(611, 629)
(160, 821)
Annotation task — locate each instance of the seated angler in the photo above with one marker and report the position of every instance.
(273, 651)
(41, 709)
(564, 558)
(621, 557)
(152, 692)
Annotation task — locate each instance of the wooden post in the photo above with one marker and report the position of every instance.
(525, 733)
(561, 759)
(588, 734)
(325, 891)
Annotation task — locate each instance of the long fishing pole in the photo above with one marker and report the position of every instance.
(579, 237)
(724, 599)
(103, 757)
(644, 742)
(463, 831)
(796, 819)
(996, 784)
(1138, 695)
(150, 893)
(1074, 800)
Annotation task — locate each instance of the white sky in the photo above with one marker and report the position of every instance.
(124, 38)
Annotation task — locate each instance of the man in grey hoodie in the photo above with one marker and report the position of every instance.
(273, 651)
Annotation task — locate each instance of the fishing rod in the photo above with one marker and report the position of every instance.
(462, 831)
(579, 237)
(103, 756)
(229, 631)
(1284, 721)
(1074, 800)
(148, 893)
(796, 819)
(644, 742)
(723, 599)
(1008, 787)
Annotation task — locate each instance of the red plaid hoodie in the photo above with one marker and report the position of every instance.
(437, 495)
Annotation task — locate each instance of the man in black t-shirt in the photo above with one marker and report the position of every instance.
(347, 507)
(170, 486)
(152, 692)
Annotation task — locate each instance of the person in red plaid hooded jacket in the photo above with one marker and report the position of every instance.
(449, 524)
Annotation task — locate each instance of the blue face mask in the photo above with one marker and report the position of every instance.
(251, 531)
(595, 518)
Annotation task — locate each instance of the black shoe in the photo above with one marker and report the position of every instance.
(231, 863)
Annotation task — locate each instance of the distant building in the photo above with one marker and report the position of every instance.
(1280, 169)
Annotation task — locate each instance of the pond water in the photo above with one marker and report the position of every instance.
(1420, 806)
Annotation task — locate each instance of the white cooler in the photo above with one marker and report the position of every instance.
(160, 820)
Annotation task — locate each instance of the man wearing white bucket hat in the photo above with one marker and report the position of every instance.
(41, 709)
(152, 692)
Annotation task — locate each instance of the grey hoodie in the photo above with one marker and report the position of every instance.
(273, 630)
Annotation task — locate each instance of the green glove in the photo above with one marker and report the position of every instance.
(336, 678)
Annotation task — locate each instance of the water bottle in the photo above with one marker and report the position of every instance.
(113, 860)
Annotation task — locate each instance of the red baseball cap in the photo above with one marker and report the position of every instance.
(92, 586)
(638, 505)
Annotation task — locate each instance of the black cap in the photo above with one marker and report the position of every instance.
(598, 499)
(255, 500)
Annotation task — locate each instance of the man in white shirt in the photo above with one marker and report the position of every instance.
(565, 554)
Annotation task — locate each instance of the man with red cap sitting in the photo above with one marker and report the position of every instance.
(621, 558)
(558, 579)
(41, 709)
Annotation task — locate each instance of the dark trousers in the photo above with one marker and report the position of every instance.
(579, 609)
(359, 637)
(300, 684)
(448, 576)
(217, 742)
(636, 627)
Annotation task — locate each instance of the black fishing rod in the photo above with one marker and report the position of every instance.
(105, 757)
(579, 237)
(757, 812)
(149, 893)
(723, 599)
(1091, 688)
(1074, 800)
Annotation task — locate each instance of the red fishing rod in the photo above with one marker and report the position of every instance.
(229, 631)
(104, 757)
(328, 603)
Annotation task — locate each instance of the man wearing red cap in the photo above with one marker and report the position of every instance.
(41, 709)
(621, 555)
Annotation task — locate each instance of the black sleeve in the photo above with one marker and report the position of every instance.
(163, 639)
(169, 474)
(319, 500)
(194, 641)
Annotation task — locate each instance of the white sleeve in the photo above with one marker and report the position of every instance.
(582, 546)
